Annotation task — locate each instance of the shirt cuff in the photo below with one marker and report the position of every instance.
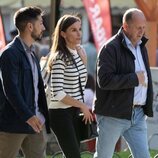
(60, 96)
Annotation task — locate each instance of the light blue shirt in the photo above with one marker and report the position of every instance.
(140, 92)
(30, 55)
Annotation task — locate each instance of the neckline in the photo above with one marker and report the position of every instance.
(73, 51)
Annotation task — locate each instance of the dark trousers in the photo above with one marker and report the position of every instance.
(64, 124)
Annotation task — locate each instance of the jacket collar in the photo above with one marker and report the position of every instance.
(121, 36)
(17, 43)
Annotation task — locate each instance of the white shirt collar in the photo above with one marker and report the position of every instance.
(128, 42)
(73, 51)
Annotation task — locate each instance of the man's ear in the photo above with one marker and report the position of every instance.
(30, 26)
(125, 26)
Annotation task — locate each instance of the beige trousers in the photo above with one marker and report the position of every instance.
(32, 145)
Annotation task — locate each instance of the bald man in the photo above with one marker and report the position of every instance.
(124, 92)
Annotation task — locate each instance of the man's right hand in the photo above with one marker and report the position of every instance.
(35, 123)
(141, 77)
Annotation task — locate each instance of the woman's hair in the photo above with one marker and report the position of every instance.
(58, 42)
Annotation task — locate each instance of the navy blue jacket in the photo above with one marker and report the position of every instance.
(17, 90)
(116, 79)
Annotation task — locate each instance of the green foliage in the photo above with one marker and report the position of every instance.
(125, 154)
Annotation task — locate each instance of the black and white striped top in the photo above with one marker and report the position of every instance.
(65, 80)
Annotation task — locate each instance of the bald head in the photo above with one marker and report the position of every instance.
(132, 14)
(134, 24)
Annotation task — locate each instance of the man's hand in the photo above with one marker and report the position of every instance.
(35, 123)
(141, 78)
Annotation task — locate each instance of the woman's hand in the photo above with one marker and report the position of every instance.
(88, 117)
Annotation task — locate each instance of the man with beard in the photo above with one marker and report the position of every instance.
(23, 108)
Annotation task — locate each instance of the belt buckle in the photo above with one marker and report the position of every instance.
(136, 105)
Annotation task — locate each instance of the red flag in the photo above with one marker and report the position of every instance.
(100, 20)
(2, 36)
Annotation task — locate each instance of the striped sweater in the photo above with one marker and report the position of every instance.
(65, 80)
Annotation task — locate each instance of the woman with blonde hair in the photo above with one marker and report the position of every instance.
(67, 65)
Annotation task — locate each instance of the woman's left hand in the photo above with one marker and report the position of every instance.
(88, 117)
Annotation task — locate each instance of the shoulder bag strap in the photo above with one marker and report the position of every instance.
(81, 90)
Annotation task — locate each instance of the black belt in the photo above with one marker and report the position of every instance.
(137, 105)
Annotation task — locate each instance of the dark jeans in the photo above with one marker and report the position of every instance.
(64, 124)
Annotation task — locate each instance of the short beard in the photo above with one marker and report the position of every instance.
(35, 37)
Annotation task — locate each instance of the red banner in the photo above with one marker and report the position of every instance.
(100, 20)
(2, 36)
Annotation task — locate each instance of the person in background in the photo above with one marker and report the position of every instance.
(42, 47)
(124, 92)
(13, 33)
(91, 53)
(23, 111)
(67, 64)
